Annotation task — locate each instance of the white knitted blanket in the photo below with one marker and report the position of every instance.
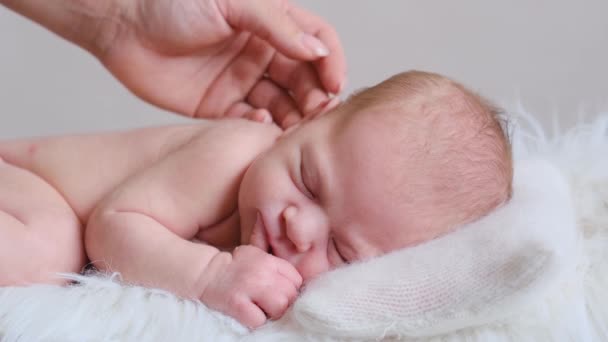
(536, 269)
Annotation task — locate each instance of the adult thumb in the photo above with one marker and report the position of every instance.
(271, 21)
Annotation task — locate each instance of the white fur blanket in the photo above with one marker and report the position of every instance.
(571, 304)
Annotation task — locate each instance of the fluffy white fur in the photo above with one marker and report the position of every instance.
(534, 270)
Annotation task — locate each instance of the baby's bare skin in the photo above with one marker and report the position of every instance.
(86, 168)
(364, 180)
(184, 178)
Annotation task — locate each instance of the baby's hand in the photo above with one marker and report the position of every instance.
(253, 286)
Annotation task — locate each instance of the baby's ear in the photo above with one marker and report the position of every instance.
(484, 271)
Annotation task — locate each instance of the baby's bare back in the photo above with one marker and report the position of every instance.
(163, 185)
(85, 169)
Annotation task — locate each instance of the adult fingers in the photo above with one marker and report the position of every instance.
(259, 115)
(332, 69)
(271, 20)
(237, 79)
(239, 110)
(266, 94)
(244, 110)
(301, 80)
(288, 271)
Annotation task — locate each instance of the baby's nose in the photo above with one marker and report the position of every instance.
(294, 230)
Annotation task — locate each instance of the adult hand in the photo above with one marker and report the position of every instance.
(206, 58)
(216, 58)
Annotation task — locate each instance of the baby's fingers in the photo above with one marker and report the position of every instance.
(246, 312)
(284, 268)
(274, 307)
(276, 299)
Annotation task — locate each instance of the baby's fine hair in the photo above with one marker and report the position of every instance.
(459, 146)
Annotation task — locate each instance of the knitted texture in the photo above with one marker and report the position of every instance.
(466, 278)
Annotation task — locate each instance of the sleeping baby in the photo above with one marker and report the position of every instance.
(239, 214)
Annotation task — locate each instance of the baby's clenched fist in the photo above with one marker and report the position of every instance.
(253, 286)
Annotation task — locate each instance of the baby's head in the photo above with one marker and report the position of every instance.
(400, 163)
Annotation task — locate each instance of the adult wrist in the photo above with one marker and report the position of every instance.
(90, 24)
(97, 24)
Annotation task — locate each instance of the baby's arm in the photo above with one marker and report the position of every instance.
(147, 253)
(143, 230)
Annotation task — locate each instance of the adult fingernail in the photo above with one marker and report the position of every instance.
(266, 117)
(342, 86)
(314, 100)
(332, 104)
(319, 108)
(314, 45)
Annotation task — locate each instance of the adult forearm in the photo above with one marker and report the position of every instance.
(146, 253)
(91, 24)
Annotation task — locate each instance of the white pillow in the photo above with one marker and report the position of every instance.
(477, 274)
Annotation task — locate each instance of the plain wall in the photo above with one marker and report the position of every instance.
(549, 54)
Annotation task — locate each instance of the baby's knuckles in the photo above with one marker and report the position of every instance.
(261, 283)
(256, 269)
(243, 309)
(250, 282)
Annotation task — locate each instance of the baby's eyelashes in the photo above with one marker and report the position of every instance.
(304, 179)
(343, 259)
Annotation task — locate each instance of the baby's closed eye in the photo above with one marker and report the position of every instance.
(336, 251)
(305, 179)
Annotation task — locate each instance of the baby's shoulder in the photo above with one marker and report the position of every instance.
(236, 135)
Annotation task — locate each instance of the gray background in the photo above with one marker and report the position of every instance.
(551, 55)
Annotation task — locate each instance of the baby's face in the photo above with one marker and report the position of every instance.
(322, 195)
